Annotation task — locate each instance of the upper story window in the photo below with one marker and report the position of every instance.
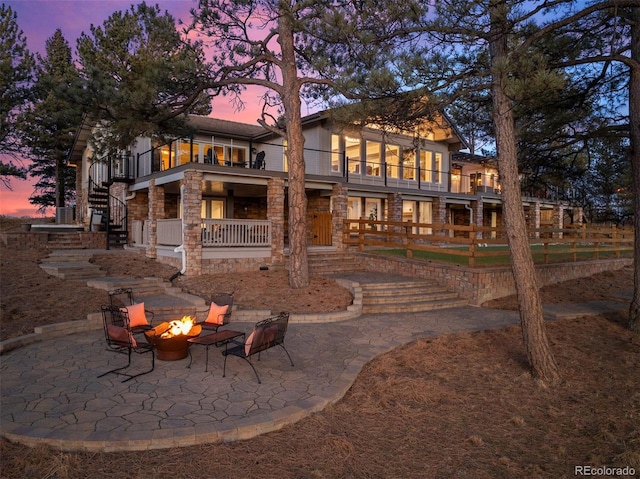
(373, 158)
(408, 164)
(229, 154)
(426, 159)
(352, 150)
(392, 159)
(336, 157)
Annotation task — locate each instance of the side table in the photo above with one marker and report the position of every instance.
(217, 339)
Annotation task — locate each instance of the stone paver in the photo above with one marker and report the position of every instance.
(50, 392)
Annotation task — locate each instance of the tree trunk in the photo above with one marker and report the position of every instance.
(535, 339)
(298, 262)
(634, 137)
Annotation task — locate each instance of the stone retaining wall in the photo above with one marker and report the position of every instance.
(40, 239)
(483, 284)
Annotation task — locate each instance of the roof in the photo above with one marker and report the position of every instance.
(209, 125)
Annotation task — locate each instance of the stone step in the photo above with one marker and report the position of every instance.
(402, 288)
(369, 300)
(332, 262)
(415, 307)
(74, 270)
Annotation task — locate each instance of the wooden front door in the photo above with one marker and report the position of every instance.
(321, 229)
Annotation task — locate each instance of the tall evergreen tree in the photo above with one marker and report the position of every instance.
(141, 77)
(16, 64)
(50, 123)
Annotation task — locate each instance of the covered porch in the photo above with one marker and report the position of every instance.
(204, 223)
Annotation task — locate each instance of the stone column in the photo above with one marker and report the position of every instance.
(578, 215)
(156, 212)
(558, 219)
(439, 212)
(339, 210)
(477, 207)
(394, 212)
(191, 209)
(275, 213)
(534, 218)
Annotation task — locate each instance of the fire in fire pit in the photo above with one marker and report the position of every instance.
(170, 339)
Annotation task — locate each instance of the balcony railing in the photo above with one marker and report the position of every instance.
(215, 232)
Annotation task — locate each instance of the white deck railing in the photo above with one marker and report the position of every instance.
(228, 232)
(215, 233)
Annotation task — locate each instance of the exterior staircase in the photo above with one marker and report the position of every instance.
(112, 214)
(330, 262)
(407, 296)
(158, 295)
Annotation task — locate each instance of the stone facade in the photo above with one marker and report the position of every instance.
(339, 204)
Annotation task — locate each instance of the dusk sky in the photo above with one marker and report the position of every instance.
(39, 19)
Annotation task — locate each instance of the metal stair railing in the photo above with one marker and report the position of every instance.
(114, 211)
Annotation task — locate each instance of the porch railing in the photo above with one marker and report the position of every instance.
(216, 232)
(230, 232)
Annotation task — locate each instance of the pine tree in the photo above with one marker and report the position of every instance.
(16, 65)
(50, 123)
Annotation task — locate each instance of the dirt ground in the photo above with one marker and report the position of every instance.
(456, 406)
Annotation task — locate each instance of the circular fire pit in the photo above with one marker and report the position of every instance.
(170, 346)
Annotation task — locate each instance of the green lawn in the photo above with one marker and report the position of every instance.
(556, 254)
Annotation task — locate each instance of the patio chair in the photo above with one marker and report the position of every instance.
(120, 339)
(219, 312)
(258, 163)
(139, 321)
(266, 334)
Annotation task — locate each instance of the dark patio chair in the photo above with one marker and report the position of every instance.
(266, 334)
(258, 163)
(120, 340)
(140, 319)
(219, 312)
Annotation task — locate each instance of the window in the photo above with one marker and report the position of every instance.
(354, 210)
(229, 154)
(408, 211)
(425, 215)
(425, 165)
(437, 168)
(372, 208)
(373, 158)
(183, 152)
(166, 158)
(392, 159)
(285, 163)
(335, 154)
(212, 208)
(352, 149)
(408, 164)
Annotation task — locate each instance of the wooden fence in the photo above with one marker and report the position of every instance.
(487, 245)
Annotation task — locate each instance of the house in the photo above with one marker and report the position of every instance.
(216, 201)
